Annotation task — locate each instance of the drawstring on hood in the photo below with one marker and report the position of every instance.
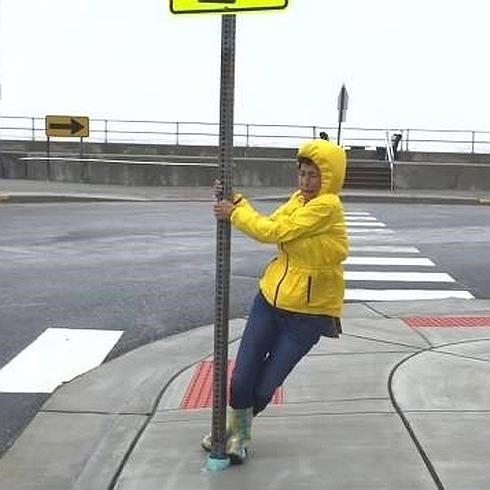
(330, 160)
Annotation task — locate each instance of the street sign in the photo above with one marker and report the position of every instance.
(224, 6)
(67, 126)
(343, 103)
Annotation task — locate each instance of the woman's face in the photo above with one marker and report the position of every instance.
(309, 180)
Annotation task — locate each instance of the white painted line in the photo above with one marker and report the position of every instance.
(139, 162)
(387, 238)
(357, 213)
(360, 218)
(378, 231)
(365, 224)
(397, 276)
(403, 294)
(17, 250)
(56, 356)
(412, 261)
(384, 249)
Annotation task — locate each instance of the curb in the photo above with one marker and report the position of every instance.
(410, 199)
(25, 198)
(47, 198)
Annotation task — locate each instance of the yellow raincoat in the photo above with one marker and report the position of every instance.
(307, 275)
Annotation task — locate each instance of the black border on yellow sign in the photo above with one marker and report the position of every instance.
(226, 9)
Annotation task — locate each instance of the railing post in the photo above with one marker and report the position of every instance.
(314, 132)
(473, 142)
(105, 130)
(177, 133)
(33, 126)
(247, 132)
(407, 138)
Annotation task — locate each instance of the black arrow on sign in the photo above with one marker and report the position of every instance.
(73, 126)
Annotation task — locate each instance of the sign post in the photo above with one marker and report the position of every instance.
(218, 459)
(342, 103)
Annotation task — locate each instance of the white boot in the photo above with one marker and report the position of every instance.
(239, 441)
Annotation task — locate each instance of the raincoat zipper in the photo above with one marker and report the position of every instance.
(282, 278)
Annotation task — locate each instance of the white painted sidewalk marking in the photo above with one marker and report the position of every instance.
(412, 261)
(357, 213)
(397, 276)
(56, 356)
(403, 294)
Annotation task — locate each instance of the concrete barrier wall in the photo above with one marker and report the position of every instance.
(247, 172)
(73, 148)
(442, 176)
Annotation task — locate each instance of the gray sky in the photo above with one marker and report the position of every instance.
(406, 63)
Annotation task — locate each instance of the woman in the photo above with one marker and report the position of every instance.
(301, 292)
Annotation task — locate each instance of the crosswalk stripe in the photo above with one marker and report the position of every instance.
(384, 249)
(403, 294)
(397, 276)
(412, 261)
(56, 356)
(365, 234)
(360, 218)
(377, 231)
(370, 224)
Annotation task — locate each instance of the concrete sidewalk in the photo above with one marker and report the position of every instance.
(389, 405)
(28, 191)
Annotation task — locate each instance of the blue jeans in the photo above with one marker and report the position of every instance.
(273, 342)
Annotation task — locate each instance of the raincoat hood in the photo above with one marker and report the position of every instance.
(330, 160)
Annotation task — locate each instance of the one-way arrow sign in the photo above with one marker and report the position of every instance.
(67, 126)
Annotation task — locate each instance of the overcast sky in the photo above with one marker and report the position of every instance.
(405, 63)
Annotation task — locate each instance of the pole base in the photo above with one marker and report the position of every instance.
(217, 464)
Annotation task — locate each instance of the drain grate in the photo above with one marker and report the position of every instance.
(448, 321)
(199, 393)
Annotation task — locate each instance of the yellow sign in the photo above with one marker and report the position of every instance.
(224, 6)
(67, 126)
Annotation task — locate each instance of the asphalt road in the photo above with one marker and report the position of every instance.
(148, 269)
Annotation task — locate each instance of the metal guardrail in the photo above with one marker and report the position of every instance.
(271, 135)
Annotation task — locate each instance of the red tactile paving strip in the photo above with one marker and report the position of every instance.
(448, 321)
(199, 393)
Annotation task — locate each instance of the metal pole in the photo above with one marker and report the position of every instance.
(338, 130)
(223, 239)
(48, 161)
